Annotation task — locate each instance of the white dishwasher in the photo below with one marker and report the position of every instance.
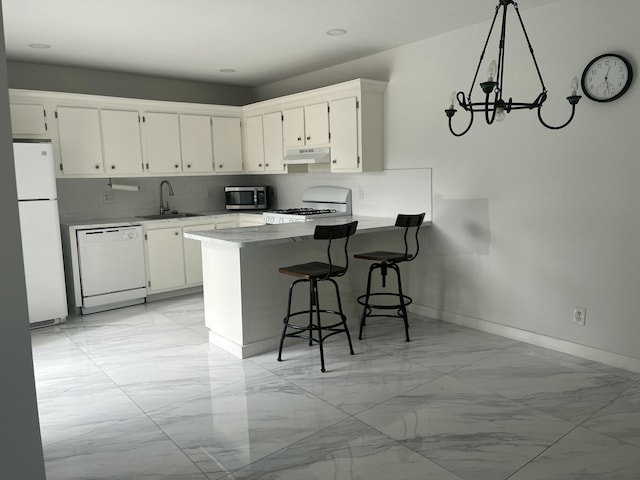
(112, 272)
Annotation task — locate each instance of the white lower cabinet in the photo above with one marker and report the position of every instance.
(165, 259)
(193, 255)
(175, 262)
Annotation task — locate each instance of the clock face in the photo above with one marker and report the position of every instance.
(607, 77)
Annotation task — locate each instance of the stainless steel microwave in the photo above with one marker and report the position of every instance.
(245, 198)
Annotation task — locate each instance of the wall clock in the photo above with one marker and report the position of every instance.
(607, 77)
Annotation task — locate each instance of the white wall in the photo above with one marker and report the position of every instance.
(20, 446)
(529, 222)
(58, 78)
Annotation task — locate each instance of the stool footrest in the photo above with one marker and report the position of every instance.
(406, 300)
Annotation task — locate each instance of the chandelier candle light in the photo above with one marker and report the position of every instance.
(497, 109)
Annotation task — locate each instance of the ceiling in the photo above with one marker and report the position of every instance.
(261, 40)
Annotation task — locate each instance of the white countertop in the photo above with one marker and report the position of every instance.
(128, 221)
(285, 232)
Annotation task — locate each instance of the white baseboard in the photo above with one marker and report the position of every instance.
(564, 346)
(244, 351)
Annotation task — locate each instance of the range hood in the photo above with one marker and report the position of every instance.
(306, 156)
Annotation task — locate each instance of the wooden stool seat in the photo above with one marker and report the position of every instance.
(387, 257)
(311, 270)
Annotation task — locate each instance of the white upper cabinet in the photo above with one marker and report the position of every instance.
(343, 118)
(316, 124)
(197, 143)
(227, 144)
(263, 144)
(306, 126)
(27, 120)
(80, 141)
(293, 127)
(162, 132)
(254, 144)
(273, 144)
(121, 142)
(101, 136)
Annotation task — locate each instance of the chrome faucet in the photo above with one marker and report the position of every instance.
(165, 208)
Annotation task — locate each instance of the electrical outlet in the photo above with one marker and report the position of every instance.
(360, 192)
(579, 316)
(108, 197)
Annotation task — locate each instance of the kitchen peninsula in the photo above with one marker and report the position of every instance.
(245, 296)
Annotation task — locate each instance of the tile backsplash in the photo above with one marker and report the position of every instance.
(383, 193)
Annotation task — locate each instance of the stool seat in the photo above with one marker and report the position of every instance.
(387, 257)
(383, 262)
(312, 270)
(311, 326)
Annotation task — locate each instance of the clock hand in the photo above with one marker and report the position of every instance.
(606, 78)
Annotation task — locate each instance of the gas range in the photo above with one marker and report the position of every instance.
(319, 202)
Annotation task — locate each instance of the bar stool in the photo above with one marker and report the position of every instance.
(313, 273)
(389, 260)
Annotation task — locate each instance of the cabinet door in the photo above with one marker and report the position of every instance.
(193, 254)
(28, 119)
(163, 142)
(293, 127)
(196, 142)
(80, 142)
(316, 124)
(121, 142)
(273, 149)
(227, 144)
(254, 144)
(165, 259)
(344, 134)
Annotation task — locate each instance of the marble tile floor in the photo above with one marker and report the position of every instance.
(139, 393)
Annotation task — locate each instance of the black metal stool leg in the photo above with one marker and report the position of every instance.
(285, 320)
(365, 308)
(403, 307)
(343, 317)
(313, 302)
(318, 324)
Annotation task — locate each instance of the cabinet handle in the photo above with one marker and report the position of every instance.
(188, 165)
(176, 233)
(113, 167)
(266, 164)
(299, 138)
(259, 164)
(176, 165)
(97, 167)
(308, 138)
(334, 161)
(220, 166)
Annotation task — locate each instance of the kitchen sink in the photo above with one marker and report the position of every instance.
(165, 216)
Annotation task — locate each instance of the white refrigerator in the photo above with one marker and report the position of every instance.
(40, 231)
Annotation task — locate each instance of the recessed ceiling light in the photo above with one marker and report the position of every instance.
(227, 70)
(39, 46)
(336, 32)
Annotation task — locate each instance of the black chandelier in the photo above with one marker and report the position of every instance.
(495, 110)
